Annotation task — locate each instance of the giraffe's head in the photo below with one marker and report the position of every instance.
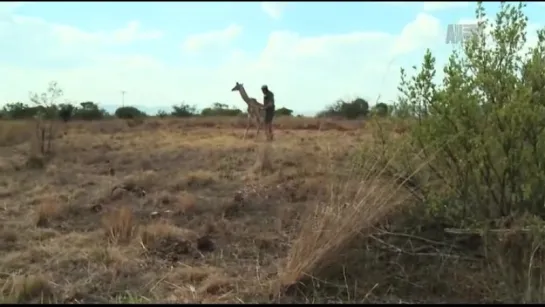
(237, 87)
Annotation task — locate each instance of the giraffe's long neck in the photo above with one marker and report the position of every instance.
(244, 95)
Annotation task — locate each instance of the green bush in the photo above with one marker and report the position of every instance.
(484, 131)
(18, 110)
(129, 112)
(66, 111)
(283, 112)
(351, 110)
(161, 114)
(479, 135)
(220, 109)
(89, 110)
(381, 109)
(183, 110)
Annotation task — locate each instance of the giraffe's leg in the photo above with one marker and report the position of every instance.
(258, 123)
(247, 126)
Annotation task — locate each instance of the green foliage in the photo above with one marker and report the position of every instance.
(89, 110)
(351, 110)
(129, 112)
(381, 109)
(482, 127)
(401, 109)
(66, 111)
(161, 114)
(220, 109)
(18, 110)
(283, 112)
(183, 110)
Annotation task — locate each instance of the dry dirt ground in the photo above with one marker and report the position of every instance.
(155, 212)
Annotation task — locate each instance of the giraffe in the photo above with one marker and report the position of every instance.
(254, 108)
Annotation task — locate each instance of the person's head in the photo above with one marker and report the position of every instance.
(264, 89)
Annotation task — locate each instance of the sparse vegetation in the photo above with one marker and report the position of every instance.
(350, 110)
(45, 117)
(283, 112)
(184, 110)
(437, 199)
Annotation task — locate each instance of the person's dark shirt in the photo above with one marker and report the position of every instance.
(268, 99)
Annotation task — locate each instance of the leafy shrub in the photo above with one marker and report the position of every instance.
(481, 132)
(128, 113)
(381, 109)
(484, 129)
(161, 114)
(66, 111)
(89, 110)
(283, 112)
(18, 110)
(220, 109)
(183, 110)
(350, 110)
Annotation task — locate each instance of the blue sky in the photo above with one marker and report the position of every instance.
(162, 53)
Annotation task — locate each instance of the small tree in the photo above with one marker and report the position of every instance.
(66, 111)
(283, 112)
(46, 113)
(89, 110)
(381, 109)
(161, 114)
(183, 110)
(484, 127)
(129, 112)
(220, 109)
(359, 107)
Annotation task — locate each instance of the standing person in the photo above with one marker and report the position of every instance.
(268, 105)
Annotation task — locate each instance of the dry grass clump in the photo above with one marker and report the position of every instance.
(263, 162)
(327, 228)
(186, 202)
(200, 178)
(119, 225)
(167, 241)
(143, 180)
(27, 289)
(158, 232)
(46, 212)
(14, 132)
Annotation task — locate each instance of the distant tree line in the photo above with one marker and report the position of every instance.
(89, 110)
(358, 108)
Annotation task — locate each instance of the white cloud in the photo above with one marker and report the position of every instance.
(209, 39)
(439, 6)
(305, 72)
(274, 9)
(424, 29)
(37, 38)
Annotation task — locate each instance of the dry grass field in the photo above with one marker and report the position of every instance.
(186, 211)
